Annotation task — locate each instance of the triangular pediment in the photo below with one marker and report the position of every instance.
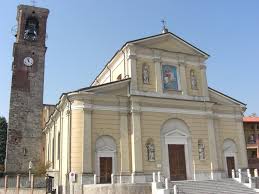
(175, 133)
(106, 149)
(170, 42)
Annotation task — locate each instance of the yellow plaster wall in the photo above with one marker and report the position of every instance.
(151, 87)
(151, 124)
(76, 140)
(106, 123)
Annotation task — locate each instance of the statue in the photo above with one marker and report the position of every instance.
(201, 149)
(193, 81)
(145, 74)
(150, 151)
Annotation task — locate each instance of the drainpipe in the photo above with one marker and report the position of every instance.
(124, 63)
(59, 146)
(69, 138)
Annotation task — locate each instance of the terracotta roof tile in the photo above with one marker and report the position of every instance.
(251, 119)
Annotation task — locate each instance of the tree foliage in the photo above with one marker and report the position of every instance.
(3, 137)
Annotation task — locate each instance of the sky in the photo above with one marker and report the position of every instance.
(83, 35)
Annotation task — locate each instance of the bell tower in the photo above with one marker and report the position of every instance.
(24, 136)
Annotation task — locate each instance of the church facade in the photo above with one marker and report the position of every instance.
(150, 109)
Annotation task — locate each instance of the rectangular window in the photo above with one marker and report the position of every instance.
(169, 77)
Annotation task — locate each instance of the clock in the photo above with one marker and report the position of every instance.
(28, 61)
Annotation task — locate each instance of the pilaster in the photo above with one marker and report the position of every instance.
(87, 142)
(205, 91)
(157, 62)
(212, 143)
(136, 142)
(132, 62)
(242, 144)
(182, 66)
(124, 142)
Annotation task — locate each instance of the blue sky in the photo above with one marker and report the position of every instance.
(83, 35)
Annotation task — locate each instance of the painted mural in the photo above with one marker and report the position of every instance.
(169, 74)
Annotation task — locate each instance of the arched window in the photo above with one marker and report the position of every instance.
(31, 29)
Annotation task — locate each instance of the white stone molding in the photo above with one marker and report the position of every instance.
(175, 131)
(105, 146)
(156, 109)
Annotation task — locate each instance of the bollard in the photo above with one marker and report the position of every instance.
(250, 181)
(166, 183)
(239, 176)
(248, 171)
(5, 183)
(95, 179)
(256, 172)
(154, 177)
(112, 178)
(17, 183)
(32, 183)
(132, 178)
(233, 174)
(159, 176)
(120, 179)
(175, 189)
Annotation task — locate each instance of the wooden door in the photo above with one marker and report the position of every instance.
(230, 165)
(105, 169)
(177, 162)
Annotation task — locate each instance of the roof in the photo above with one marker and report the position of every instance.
(251, 119)
(229, 97)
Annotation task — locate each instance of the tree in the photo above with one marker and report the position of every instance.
(3, 137)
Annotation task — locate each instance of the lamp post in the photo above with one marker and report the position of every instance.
(30, 167)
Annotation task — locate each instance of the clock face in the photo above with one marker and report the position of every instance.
(28, 61)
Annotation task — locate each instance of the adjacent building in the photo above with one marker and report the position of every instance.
(251, 128)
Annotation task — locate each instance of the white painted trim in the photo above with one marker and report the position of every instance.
(156, 109)
(176, 136)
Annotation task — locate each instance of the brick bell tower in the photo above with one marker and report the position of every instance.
(24, 136)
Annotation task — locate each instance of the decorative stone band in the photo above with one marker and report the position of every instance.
(156, 109)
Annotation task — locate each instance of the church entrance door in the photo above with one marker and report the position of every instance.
(177, 162)
(105, 169)
(230, 165)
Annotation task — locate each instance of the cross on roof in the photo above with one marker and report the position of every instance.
(33, 2)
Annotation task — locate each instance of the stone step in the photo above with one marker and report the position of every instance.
(229, 186)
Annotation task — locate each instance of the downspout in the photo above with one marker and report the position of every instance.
(69, 138)
(124, 64)
(59, 146)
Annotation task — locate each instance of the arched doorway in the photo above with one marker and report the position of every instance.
(176, 150)
(105, 158)
(230, 156)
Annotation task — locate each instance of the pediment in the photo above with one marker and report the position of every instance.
(172, 43)
(106, 149)
(175, 133)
